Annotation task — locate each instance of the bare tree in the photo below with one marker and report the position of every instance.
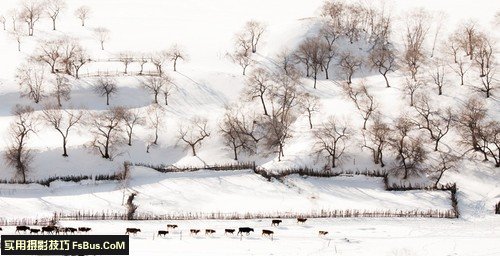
(470, 122)
(417, 28)
(236, 133)
(54, 8)
(310, 104)
(257, 85)
(376, 139)
(349, 64)
(286, 61)
(79, 59)
(14, 17)
(31, 12)
(364, 101)
(168, 89)
(158, 59)
(330, 31)
(445, 163)
(82, 13)
(62, 89)
(3, 21)
(102, 35)
(155, 121)
(106, 86)
(17, 154)
(284, 99)
(242, 58)
(18, 36)
(490, 138)
(176, 53)
(460, 67)
(487, 81)
(194, 133)
(469, 36)
(62, 121)
(411, 87)
(410, 152)
(436, 121)
(132, 118)
(126, 58)
(383, 58)
(331, 138)
(50, 53)
(105, 127)
(484, 59)
(31, 78)
(312, 52)
(156, 85)
(253, 31)
(438, 74)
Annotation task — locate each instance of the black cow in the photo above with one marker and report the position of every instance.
(301, 220)
(162, 232)
(70, 230)
(132, 231)
(194, 231)
(276, 222)
(1, 229)
(209, 231)
(245, 230)
(84, 229)
(171, 226)
(49, 229)
(229, 231)
(269, 233)
(34, 230)
(323, 233)
(22, 228)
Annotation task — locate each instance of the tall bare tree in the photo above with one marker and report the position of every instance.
(126, 58)
(62, 89)
(376, 139)
(236, 132)
(438, 73)
(253, 31)
(31, 12)
(155, 121)
(362, 99)
(470, 122)
(31, 78)
(82, 13)
(410, 153)
(417, 28)
(18, 154)
(106, 86)
(54, 8)
(193, 133)
(3, 21)
(50, 53)
(156, 85)
(383, 58)
(310, 104)
(105, 127)
(132, 118)
(102, 35)
(411, 87)
(434, 120)
(79, 59)
(313, 52)
(445, 163)
(349, 64)
(62, 121)
(158, 59)
(490, 138)
(331, 138)
(176, 53)
(257, 86)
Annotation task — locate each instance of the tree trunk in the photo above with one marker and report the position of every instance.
(65, 152)
(193, 149)
(263, 104)
(175, 65)
(386, 80)
(102, 45)
(53, 24)
(107, 99)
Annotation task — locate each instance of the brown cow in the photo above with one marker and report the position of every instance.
(301, 220)
(276, 222)
(268, 233)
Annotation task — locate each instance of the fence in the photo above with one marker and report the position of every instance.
(73, 178)
(87, 216)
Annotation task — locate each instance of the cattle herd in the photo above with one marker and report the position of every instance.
(52, 229)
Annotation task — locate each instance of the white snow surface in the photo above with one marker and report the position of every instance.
(205, 85)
